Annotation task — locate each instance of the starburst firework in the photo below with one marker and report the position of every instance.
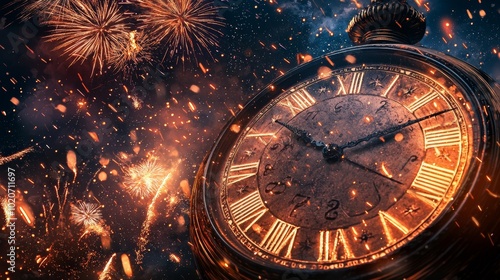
(144, 179)
(84, 30)
(186, 26)
(86, 214)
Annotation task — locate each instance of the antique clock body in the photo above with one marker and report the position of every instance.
(373, 161)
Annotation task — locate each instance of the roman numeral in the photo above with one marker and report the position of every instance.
(331, 251)
(279, 236)
(238, 172)
(393, 82)
(342, 89)
(265, 138)
(387, 219)
(442, 137)
(356, 82)
(432, 182)
(247, 208)
(298, 102)
(422, 101)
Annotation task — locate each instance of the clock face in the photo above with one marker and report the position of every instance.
(343, 168)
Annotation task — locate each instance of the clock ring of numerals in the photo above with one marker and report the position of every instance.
(354, 164)
(305, 189)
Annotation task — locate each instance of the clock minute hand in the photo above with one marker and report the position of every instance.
(302, 134)
(370, 170)
(390, 130)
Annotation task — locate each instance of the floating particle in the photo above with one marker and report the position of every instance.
(324, 71)
(186, 190)
(174, 258)
(71, 162)
(350, 58)
(194, 88)
(235, 128)
(102, 176)
(14, 101)
(136, 149)
(104, 161)
(127, 268)
(61, 108)
(469, 14)
(94, 136)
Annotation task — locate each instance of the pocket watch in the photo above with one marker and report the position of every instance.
(375, 161)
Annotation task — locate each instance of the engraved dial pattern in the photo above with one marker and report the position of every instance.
(285, 201)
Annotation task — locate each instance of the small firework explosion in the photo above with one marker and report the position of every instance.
(144, 179)
(86, 214)
(135, 51)
(186, 26)
(84, 30)
(8, 211)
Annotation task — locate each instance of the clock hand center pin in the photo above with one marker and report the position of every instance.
(331, 152)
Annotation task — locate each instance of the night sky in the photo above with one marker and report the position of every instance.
(75, 136)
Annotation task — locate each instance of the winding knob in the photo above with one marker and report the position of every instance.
(387, 21)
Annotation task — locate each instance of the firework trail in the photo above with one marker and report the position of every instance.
(83, 30)
(150, 218)
(105, 274)
(4, 160)
(144, 179)
(186, 26)
(86, 214)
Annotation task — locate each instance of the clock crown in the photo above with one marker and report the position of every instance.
(387, 21)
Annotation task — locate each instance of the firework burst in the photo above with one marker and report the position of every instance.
(144, 179)
(137, 50)
(86, 30)
(86, 214)
(186, 26)
(41, 8)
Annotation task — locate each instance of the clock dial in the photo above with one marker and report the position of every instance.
(344, 168)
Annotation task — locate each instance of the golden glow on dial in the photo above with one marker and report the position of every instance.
(343, 168)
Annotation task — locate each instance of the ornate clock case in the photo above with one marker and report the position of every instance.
(375, 161)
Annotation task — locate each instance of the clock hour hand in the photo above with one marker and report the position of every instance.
(302, 134)
(390, 130)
